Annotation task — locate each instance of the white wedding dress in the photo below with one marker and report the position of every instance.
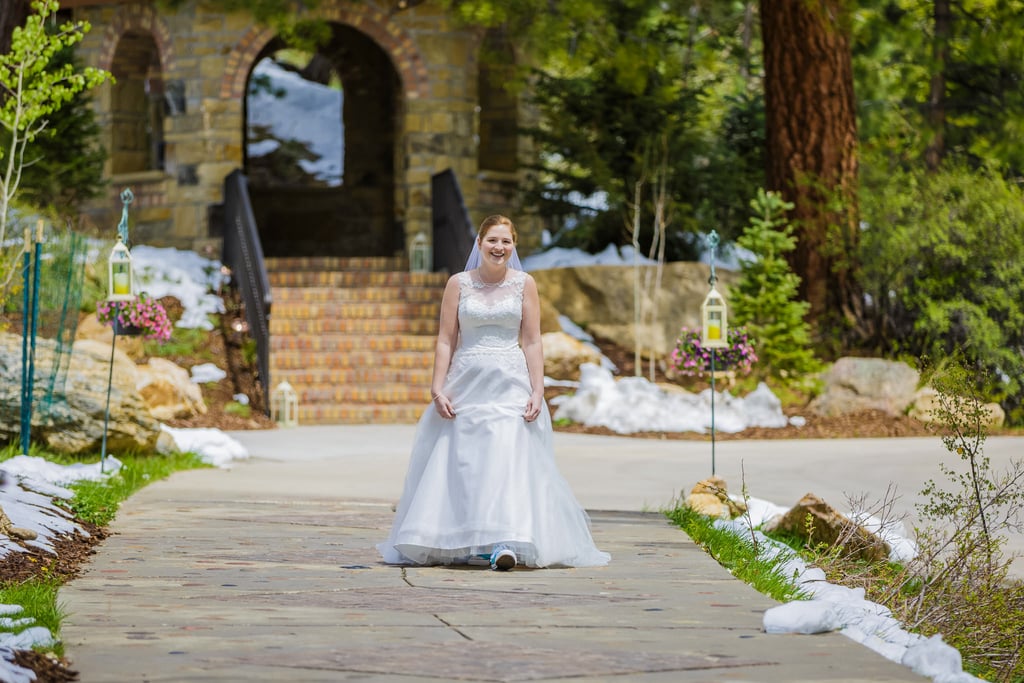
(488, 477)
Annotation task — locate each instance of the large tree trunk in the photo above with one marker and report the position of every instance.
(12, 14)
(811, 131)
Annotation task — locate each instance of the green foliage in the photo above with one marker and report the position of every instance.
(239, 409)
(32, 89)
(943, 270)
(737, 554)
(66, 159)
(184, 342)
(620, 85)
(894, 61)
(764, 299)
(250, 352)
(959, 584)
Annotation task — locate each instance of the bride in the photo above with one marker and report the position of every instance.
(482, 485)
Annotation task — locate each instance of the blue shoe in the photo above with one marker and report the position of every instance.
(502, 558)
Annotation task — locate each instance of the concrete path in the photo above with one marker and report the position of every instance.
(267, 572)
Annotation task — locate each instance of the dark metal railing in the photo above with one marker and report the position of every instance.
(453, 231)
(243, 254)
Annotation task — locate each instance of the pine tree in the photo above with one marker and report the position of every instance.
(67, 159)
(765, 297)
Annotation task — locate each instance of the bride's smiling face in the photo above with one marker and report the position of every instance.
(497, 245)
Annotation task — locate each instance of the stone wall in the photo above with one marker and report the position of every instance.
(191, 95)
(600, 300)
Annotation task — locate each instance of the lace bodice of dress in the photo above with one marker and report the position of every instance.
(490, 315)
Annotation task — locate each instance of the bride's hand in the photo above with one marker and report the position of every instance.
(444, 407)
(533, 407)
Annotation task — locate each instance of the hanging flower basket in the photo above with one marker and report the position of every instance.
(122, 330)
(144, 316)
(690, 358)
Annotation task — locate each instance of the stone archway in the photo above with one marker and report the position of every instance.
(320, 139)
(359, 213)
(137, 50)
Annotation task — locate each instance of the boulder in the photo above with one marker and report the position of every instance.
(710, 497)
(71, 420)
(168, 390)
(548, 317)
(563, 355)
(926, 401)
(91, 328)
(855, 384)
(815, 521)
(600, 300)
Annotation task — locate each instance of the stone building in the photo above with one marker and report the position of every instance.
(417, 100)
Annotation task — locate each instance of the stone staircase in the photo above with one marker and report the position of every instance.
(354, 337)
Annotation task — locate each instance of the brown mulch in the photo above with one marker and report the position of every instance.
(223, 346)
(72, 552)
(47, 666)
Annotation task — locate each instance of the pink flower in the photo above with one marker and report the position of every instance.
(144, 312)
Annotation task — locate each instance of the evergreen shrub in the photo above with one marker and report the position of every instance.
(942, 270)
(765, 298)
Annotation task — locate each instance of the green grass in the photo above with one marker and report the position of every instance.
(95, 502)
(236, 408)
(38, 600)
(184, 342)
(737, 554)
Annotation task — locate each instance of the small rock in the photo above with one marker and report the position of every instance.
(711, 497)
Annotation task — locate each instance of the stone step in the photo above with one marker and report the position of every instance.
(350, 342)
(352, 310)
(286, 361)
(383, 393)
(326, 263)
(354, 337)
(408, 293)
(320, 377)
(355, 278)
(394, 413)
(302, 327)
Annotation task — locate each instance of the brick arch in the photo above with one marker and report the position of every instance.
(138, 17)
(363, 17)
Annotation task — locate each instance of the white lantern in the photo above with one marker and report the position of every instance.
(420, 256)
(714, 327)
(121, 283)
(284, 405)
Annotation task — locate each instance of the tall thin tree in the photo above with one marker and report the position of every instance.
(943, 23)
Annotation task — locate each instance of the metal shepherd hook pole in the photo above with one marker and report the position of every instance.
(110, 380)
(122, 230)
(713, 243)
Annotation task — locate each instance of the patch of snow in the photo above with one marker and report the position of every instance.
(207, 372)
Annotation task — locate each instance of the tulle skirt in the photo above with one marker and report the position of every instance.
(488, 477)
